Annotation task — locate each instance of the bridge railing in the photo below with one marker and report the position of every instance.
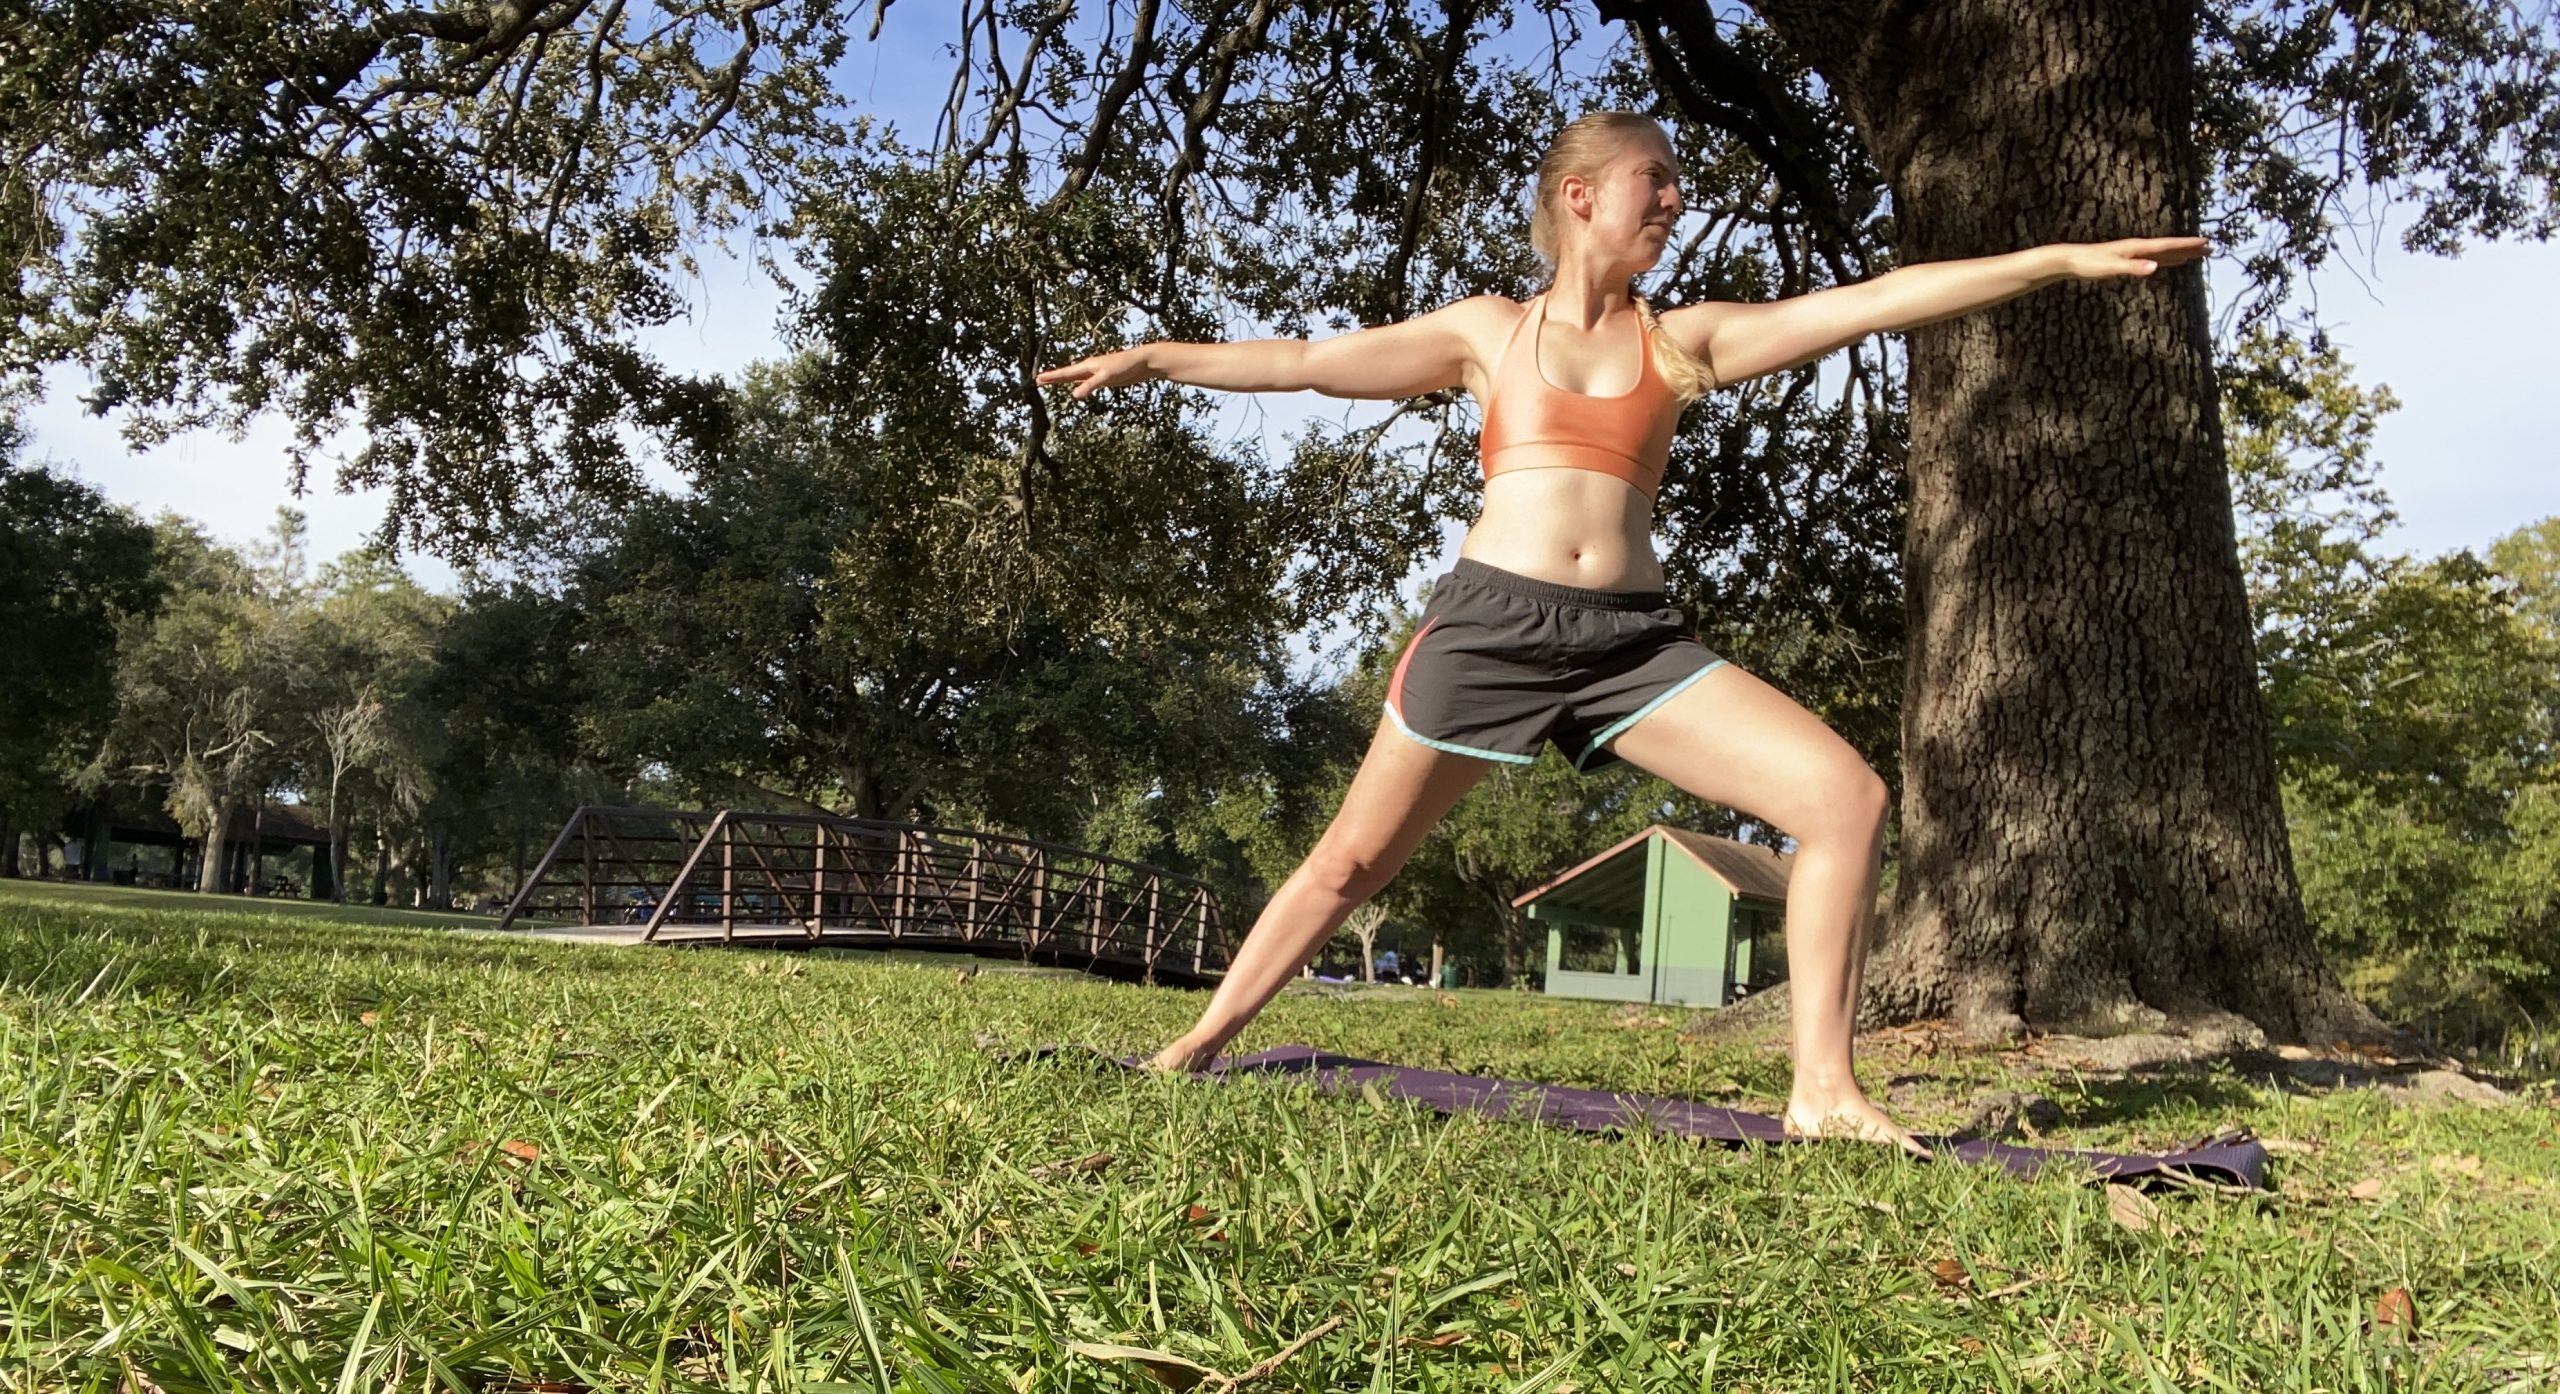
(680, 874)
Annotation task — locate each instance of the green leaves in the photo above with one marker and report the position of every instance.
(443, 226)
(2413, 705)
(72, 569)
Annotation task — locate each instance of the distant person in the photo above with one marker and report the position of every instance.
(1554, 626)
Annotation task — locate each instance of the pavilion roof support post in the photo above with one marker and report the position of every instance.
(684, 875)
(524, 892)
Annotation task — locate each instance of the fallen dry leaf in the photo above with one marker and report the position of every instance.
(2132, 1209)
(1085, 1165)
(1196, 1214)
(2396, 1308)
(2368, 1189)
(1951, 1275)
(368, 1018)
(1442, 1341)
(1170, 1370)
(520, 1150)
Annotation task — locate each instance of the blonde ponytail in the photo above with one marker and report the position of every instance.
(1689, 375)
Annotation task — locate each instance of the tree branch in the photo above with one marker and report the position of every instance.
(1106, 112)
(1715, 85)
(1426, 160)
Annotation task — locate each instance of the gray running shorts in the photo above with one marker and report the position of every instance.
(1504, 663)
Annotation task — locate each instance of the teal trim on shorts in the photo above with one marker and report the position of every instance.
(1398, 718)
(1619, 728)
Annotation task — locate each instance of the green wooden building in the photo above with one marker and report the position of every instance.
(1668, 916)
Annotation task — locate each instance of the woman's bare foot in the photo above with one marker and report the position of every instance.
(1855, 1117)
(1179, 1058)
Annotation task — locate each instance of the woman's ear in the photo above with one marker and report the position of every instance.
(1576, 194)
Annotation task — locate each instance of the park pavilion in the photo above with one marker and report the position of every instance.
(1668, 916)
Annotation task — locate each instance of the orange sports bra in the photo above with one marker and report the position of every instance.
(1627, 436)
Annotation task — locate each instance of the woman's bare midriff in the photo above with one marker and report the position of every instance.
(1575, 527)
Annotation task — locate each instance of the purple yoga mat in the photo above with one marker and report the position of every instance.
(2232, 1158)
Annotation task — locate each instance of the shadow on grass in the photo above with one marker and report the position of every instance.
(2139, 1096)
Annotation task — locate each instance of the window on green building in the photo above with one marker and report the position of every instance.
(1593, 948)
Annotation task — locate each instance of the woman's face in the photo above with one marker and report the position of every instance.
(1634, 200)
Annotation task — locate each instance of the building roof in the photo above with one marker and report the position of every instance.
(1614, 879)
(288, 823)
(1745, 868)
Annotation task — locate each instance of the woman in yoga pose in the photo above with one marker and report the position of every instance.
(1554, 625)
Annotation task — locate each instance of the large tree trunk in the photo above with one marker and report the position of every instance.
(440, 868)
(258, 847)
(8, 848)
(337, 851)
(217, 847)
(2091, 833)
(381, 865)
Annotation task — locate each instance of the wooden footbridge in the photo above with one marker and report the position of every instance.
(645, 875)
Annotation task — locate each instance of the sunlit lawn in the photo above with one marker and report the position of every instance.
(265, 1153)
(85, 893)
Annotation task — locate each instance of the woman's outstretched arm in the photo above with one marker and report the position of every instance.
(1424, 354)
(1743, 341)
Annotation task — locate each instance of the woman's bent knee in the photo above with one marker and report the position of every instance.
(1849, 808)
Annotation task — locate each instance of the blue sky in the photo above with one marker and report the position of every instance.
(2459, 341)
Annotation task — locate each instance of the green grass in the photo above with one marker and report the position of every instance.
(98, 896)
(244, 1152)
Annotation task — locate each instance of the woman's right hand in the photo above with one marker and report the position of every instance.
(1104, 370)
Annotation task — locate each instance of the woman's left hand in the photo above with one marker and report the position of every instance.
(2130, 256)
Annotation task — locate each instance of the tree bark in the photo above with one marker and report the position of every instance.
(2092, 838)
(1364, 923)
(8, 848)
(258, 846)
(381, 865)
(337, 852)
(217, 846)
(440, 868)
